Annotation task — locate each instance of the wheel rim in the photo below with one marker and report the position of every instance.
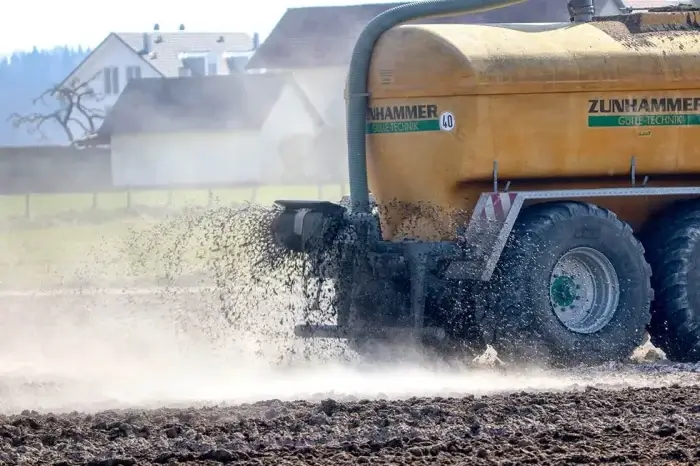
(584, 290)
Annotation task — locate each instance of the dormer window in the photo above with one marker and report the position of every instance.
(236, 61)
(198, 64)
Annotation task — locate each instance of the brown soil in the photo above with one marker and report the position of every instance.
(631, 426)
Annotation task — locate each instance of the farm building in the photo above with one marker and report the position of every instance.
(236, 129)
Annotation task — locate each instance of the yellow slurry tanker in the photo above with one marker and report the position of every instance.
(535, 187)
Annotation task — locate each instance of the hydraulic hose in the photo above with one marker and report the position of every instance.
(358, 97)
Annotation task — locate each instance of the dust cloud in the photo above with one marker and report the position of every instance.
(90, 352)
(230, 341)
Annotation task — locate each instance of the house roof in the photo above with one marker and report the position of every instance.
(315, 36)
(202, 103)
(325, 36)
(165, 47)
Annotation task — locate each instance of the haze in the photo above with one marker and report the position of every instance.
(86, 23)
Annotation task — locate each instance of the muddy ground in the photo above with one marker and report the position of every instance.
(81, 356)
(652, 426)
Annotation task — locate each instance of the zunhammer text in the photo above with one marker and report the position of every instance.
(402, 112)
(661, 104)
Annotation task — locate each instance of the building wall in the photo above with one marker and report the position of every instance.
(286, 138)
(161, 159)
(114, 54)
(325, 87)
(607, 8)
(148, 159)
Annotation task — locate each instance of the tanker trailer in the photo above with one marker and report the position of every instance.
(536, 186)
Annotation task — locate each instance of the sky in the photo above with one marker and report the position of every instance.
(49, 23)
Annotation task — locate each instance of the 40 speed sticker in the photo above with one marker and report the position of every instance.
(447, 121)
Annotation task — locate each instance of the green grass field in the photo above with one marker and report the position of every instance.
(38, 205)
(116, 251)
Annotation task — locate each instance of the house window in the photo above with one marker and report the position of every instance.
(236, 64)
(236, 61)
(133, 72)
(197, 66)
(111, 77)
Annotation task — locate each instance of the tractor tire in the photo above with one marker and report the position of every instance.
(672, 241)
(571, 287)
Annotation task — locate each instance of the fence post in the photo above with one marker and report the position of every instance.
(210, 198)
(28, 206)
(128, 198)
(94, 200)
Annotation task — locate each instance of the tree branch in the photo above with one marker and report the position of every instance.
(74, 111)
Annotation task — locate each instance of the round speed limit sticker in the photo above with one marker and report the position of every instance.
(447, 121)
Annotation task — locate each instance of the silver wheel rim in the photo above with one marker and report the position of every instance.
(584, 290)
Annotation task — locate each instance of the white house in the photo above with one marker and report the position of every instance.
(208, 130)
(122, 57)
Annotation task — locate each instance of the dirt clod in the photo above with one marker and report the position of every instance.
(629, 426)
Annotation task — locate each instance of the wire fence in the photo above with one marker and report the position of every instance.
(31, 205)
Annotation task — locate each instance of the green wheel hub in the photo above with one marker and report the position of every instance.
(584, 290)
(563, 291)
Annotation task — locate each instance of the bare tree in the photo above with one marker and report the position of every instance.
(76, 111)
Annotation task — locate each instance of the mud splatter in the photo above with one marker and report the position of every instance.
(587, 426)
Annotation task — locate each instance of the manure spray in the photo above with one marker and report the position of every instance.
(260, 289)
(231, 341)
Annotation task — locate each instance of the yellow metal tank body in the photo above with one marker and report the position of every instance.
(556, 105)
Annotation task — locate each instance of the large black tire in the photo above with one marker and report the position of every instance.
(518, 314)
(672, 241)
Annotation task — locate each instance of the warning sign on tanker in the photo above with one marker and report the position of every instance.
(407, 119)
(660, 111)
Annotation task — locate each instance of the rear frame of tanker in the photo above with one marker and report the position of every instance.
(593, 302)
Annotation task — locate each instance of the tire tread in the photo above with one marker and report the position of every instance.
(502, 322)
(675, 325)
